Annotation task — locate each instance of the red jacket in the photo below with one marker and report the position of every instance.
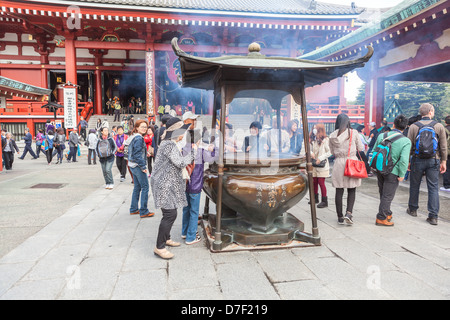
(148, 140)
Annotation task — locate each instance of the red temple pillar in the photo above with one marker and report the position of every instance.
(98, 61)
(71, 67)
(374, 104)
(71, 60)
(98, 91)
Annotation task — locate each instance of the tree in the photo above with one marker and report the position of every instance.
(412, 94)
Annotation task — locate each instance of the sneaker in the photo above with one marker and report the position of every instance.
(150, 214)
(445, 189)
(183, 237)
(385, 223)
(197, 239)
(107, 186)
(348, 219)
(122, 179)
(340, 220)
(432, 221)
(111, 186)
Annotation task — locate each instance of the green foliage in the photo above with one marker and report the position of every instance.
(412, 94)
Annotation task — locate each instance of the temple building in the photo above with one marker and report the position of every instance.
(120, 49)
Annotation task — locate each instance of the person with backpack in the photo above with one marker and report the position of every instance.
(59, 143)
(73, 145)
(39, 139)
(105, 150)
(429, 156)
(446, 177)
(91, 143)
(390, 160)
(49, 145)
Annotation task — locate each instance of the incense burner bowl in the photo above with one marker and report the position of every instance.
(257, 192)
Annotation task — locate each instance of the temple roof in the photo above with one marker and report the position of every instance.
(392, 17)
(290, 7)
(10, 87)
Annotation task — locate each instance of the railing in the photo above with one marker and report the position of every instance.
(327, 111)
(27, 108)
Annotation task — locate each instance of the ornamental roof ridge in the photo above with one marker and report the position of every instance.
(289, 7)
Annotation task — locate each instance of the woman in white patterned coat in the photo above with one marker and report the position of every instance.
(168, 185)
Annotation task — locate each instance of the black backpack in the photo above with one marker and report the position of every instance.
(426, 141)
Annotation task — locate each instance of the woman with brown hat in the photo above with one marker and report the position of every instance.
(168, 185)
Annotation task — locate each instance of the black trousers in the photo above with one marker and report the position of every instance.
(149, 164)
(26, 150)
(83, 133)
(73, 154)
(49, 155)
(121, 163)
(387, 186)
(9, 159)
(351, 196)
(447, 175)
(90, 153)
(167, 220)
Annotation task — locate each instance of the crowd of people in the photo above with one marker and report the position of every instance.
(170, 161)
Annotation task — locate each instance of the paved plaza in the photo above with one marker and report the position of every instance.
(79, 242)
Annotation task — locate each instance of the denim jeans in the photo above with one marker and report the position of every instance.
(431, 169)
(141, 188)
(190, 216)
(107, 170)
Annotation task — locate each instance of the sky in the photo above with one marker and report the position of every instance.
(353, 81)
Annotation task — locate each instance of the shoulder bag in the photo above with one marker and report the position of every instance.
(354, 168)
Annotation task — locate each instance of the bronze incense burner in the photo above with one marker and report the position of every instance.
(253, 195)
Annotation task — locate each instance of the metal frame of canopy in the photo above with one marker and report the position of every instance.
(258, 76)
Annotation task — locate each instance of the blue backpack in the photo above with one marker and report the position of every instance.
(426, 141)
(382, 156)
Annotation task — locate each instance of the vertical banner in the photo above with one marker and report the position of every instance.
(149, 70)
(295, 110)
(70, 108)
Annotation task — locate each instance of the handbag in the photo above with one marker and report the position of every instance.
(354, 168)
(320, 164)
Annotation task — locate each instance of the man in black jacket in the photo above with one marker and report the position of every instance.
(28, 140)
(8, 151)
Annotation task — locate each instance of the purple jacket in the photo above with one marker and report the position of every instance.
(195, 184)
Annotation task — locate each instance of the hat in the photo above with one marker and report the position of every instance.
(175, 128)
(189, 115)
(165, 118)
(373, 124)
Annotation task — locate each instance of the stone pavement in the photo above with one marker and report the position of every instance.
(95, 250)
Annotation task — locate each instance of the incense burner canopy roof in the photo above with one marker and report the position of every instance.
(256, 75)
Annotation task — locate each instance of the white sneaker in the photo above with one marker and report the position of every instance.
(444, 189)
(107, 186)
(197, 239)
(111, 186)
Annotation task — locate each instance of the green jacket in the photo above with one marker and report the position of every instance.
(400, 149)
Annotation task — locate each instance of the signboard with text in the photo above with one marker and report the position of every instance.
(70, 108)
